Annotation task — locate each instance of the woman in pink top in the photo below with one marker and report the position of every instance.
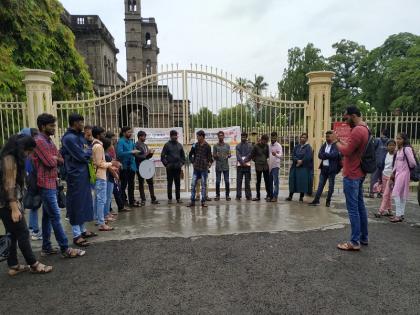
(404, 160)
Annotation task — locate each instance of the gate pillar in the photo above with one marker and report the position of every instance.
(319, 111)
(38, 93)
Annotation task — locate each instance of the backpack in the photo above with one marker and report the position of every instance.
(414, 171)
(368, 159)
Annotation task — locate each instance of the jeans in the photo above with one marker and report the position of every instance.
(353, 190)
(266, 183)
(219, 179)
(274, 182)
(243, 172)
(202, 175)
(51, 218)
(33, 220)
(101, 198)
(325, 175)
(174, 175)
(109, 191)
(19, 236)
(127, 179)
(78, 230)
(141, 188)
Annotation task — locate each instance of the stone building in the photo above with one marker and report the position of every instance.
(153, 106)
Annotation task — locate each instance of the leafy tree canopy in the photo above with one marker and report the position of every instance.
(33, 36)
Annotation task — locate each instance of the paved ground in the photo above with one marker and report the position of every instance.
(252, 273)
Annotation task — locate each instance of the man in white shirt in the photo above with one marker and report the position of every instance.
(330, 166)
(276, 152)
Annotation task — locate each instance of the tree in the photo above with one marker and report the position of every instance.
(203, 119)
(300, 62)
(242, 85)
(33, 36)
(239, 115)
(389, 75)
(345, 64)
(257, 87)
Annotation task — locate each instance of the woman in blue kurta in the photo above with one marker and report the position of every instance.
(76, 155)
(301, 172)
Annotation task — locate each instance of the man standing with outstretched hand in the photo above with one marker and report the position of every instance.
(354, 177)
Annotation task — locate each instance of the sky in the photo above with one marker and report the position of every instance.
(248, 37)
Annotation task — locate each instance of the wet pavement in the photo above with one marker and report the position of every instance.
(291, 268)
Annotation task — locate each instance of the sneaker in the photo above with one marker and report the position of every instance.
(217, 198)
(36, 236)
(179, 201)
(314, 203)
(328, 204)
(228, 199)
(49, 252)
(155, 202)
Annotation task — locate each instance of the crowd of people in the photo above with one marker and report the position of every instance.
(99, 167)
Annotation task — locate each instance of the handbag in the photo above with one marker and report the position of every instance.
(92, 172)
(5, 243)
(31, 200)
(414, 171)
(61, 195)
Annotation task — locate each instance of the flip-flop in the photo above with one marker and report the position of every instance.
(108, 229)
(89, 234)
(14, 271)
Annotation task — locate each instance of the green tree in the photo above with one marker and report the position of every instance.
(242, 85)
(203, 119)
(300, 62)
(33, 36)
(239, 115)
(389, 75)
(345, 64)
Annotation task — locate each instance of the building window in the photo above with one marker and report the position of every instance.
(80, 20)
(148, 67)
(148, 39)
(132, 5)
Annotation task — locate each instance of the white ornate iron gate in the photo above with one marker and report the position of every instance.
(198, 98)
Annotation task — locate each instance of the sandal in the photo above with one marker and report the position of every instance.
(40, 268)
(49, 252)
(15, 270)
(73, 253)
(379, 215)
(106, 228)
(348, 246)
(80, 242)
(396, 219)
(89, 234)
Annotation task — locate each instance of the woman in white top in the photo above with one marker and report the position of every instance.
(386, 166)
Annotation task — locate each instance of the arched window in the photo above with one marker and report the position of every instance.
(148, 39)
(148, 67)
(132, 5)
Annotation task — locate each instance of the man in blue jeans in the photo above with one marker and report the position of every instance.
(202, 159)
(354, 177)
(46, 159)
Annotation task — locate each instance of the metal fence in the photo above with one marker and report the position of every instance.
(13, 118)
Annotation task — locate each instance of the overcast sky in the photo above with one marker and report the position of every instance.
(247, 37)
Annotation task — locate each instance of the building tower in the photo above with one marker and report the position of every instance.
(140, 42)
(133, 40)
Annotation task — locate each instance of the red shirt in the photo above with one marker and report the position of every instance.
(353, 151)
(45, 163)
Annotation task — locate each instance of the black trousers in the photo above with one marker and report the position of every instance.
(141, 188)
(266, 175)
(127, 179)
(20, 236)
(118, 196)
(241, 173)
(174, 175)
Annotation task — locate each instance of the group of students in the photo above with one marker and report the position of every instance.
(97, 165)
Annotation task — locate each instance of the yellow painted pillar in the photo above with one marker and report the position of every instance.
(319, 111)
(38, 94)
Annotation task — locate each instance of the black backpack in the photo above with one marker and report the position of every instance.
(415, 171)
(368, 159)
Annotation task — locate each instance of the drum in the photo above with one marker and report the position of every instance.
(147, 169)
